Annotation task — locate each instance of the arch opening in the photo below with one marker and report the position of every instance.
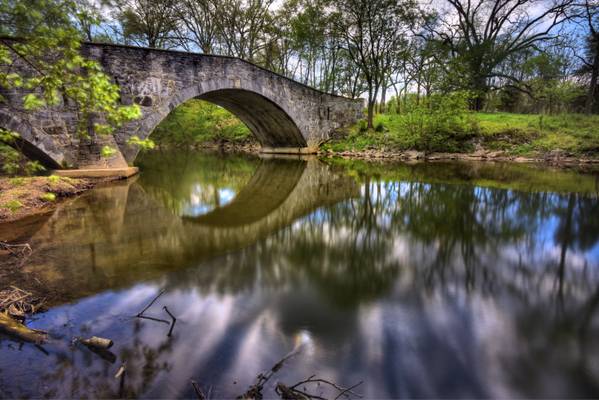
(269, 123)
(24, 142)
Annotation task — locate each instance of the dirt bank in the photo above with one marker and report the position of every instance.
(22, 197)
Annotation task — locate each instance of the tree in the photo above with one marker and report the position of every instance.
(589, 14)
(199, 20)
(150, 23)
(374, 32)
(53, 71)
(482, 34)
(242, 27)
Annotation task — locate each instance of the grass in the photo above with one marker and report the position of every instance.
(196, 122)
(516, 134)
(20, 195)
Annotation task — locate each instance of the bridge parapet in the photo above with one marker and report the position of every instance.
(283, 114)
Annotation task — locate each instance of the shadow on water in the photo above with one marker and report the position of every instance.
(422, 280)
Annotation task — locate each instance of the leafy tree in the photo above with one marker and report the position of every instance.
(374, 32)
(481, 35)
(151, 23)
(53, 71)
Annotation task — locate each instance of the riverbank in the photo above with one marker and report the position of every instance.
(22, 197)
(567, 138)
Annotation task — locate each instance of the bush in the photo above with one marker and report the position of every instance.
(363, 125)
(13, 205)
(441, 122)
(49, 197)
(379, 127)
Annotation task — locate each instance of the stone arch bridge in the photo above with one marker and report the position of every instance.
(284, 115)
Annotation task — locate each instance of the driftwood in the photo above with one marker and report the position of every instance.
(18, 302)
(19, 250)
(199, 393)
(173, 319)
(97, 342)
(293, 392)
(20, 331)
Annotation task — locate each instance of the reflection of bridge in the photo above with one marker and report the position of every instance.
(118, 235)
(283, 114)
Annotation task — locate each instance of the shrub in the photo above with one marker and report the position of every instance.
(441, 122)
(363, 125)
(379, 127)
(13, 205)
(49, 197)
(17, 181)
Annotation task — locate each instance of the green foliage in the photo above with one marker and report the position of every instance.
(49, 46)
(516, 134)
(53, 179)
(440, 122)
(379, 127)
(196, 122)
(13, 205)
(48, 197)
(107, 152)
(17, 181)
(143, 144)
(363, 125)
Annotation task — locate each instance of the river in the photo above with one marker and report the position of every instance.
(420, 280)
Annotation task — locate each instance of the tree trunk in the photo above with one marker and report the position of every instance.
(370, 114)
(590, 102)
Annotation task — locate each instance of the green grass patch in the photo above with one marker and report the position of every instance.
(516, 134)
(195, 122)
(13, 205)
(49, 197)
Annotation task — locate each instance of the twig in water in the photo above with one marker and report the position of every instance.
(150, 304)
(174, 320)
(17, 250)
(291, 391)
(198, 391)
(255, 391)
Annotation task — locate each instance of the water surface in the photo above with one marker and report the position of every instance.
(427, 280)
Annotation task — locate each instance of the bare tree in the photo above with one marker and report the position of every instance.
(199, 21)
(483, 33)
(151, 23)
(374, 33)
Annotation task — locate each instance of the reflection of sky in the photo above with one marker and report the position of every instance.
(486, 320)
(203, 199)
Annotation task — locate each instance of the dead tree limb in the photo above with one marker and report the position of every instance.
(174, 321)
(151, 303)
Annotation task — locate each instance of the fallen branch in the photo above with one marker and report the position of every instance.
(292, 392)
(20, 331)
(255, 391)
(19, 250)
(18, 302)
(150, 304)
(174, 320)
(200, 395)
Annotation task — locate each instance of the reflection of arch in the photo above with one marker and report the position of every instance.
(34, 143)
(269, 187)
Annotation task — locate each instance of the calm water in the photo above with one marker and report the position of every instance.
(437, 280)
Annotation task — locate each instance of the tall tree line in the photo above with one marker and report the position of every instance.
(514, 55)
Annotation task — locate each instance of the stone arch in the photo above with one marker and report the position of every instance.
(33, 142)
(264, 111)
